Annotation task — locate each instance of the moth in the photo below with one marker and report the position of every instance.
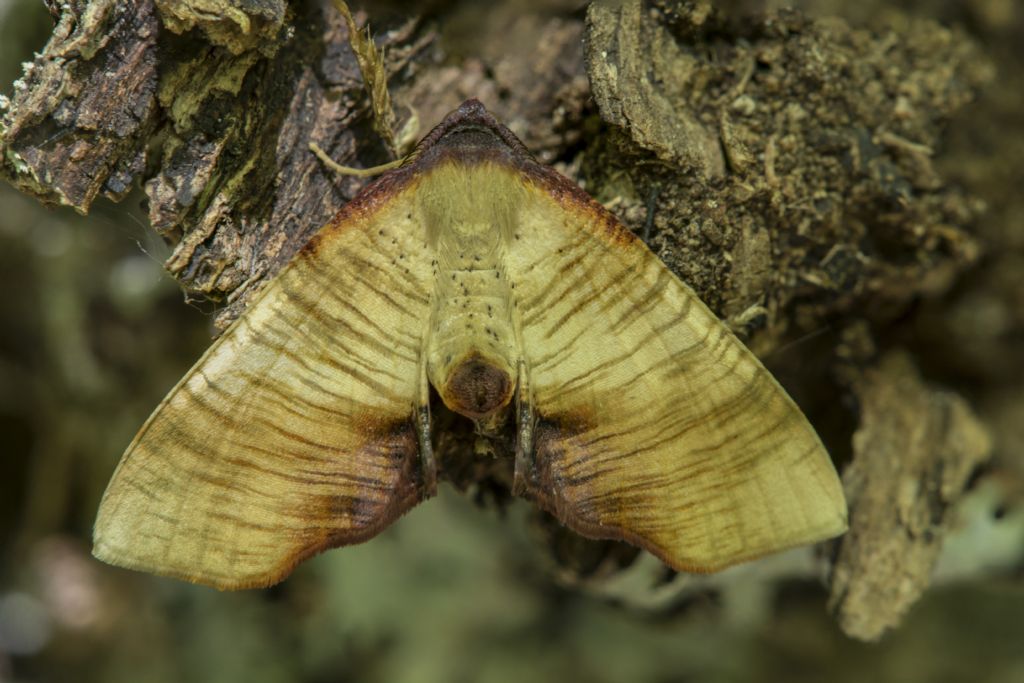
(477, 273)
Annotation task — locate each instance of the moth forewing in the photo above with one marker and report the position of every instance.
(656, 425)
(299, 429)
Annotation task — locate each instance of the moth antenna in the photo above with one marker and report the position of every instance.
(802, 339)
(350, 170)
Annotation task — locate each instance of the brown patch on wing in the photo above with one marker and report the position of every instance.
(389, 448)
(560, 442)
(392, 447)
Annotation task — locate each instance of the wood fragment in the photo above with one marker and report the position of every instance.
(914, 453)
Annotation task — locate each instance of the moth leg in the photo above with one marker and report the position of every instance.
(524, 432)
(428, 465)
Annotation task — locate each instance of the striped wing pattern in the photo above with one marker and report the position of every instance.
(295, 432)
(655, 425)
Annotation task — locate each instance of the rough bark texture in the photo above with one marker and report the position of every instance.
(82, 115)
(786, 167)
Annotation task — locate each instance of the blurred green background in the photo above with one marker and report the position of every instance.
(93, 332)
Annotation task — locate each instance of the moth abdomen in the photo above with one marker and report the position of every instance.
(472, 343)
(471, 360)
(477, 386)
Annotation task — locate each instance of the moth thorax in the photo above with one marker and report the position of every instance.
(460, 202)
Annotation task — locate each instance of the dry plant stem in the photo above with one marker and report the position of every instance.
(375, 77)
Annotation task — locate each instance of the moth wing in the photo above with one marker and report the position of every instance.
(655, 425)
(296, 431)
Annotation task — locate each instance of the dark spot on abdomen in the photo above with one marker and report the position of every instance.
(476, 388)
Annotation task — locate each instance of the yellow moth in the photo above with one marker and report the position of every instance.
(475, 272)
